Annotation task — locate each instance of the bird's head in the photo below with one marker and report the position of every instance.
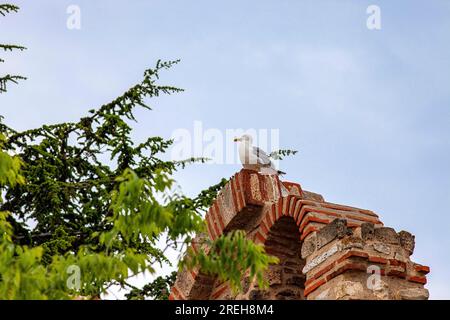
(245, 138)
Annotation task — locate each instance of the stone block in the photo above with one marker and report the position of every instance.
(367, 231)
(407, 241)
(348, 290)
(309, 245)
(387, 235)
(273, 276)
(413, 294)
(335, 230)
(382, 248)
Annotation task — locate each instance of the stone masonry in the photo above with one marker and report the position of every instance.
(326, 250)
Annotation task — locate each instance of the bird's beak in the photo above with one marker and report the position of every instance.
(236, 139)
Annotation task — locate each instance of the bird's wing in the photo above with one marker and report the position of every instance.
(263, 158)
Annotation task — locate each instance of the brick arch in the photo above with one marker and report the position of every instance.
(310, 215)
(286, 281)
(336, 241)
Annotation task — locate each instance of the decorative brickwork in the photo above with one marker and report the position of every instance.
(326, 250)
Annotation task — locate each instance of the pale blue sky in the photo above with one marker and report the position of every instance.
(368, 110)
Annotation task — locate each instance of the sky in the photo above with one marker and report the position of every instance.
(368, 110)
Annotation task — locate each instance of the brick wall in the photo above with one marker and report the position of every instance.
(326, 250)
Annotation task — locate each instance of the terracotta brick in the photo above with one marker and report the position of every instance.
(267, 220)
(298, 206)
(376, 259)
(240, 190)
(421, 280)
(209, 226)
(285, 207)
(264, 228)
(396, 273)
(348, 208)
(274, 213)
(218, 292)
(311, 218)
(362, 218)
(214, 223)
(422, 269)
(292, 203)
(313, 287)
(259, 237)
(348, 266)
(177, 293)
(236, 206)
(293, 188)
(302, 213)
(324, 270)
(217, 213)
(279, 208)
(351, 254)
(307, 231)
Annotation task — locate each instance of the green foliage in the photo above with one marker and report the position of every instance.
(4, 80)
(158, 289)
(103, 216)
(83, 207)
(230, 257)
(279, 154)
(8, 8)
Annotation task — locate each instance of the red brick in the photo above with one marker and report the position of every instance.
(422, 269)
(279, 208)
(309, 219)
(210, 228)
(234, 195)
(376, 259)
(216, 228)
(348, 208)
(313, 287)
(307, 231)
(218, 215)
(298, 206)
(291, 208)
(421, 280)
(177, 293)
(274, 213)
(396, 273)
(239, 189)
(286, 203)
(218, 292)
(324, 270)
(264, 228)
(347, 267)
(353, 253)
(362, 218)
(292, 185)
(260, 237)
(267, 220)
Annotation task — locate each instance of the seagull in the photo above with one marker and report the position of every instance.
(254, 158)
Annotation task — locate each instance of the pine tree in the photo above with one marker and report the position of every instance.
(83, 206)
(5, 79)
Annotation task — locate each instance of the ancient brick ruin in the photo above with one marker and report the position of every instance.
(326, 250)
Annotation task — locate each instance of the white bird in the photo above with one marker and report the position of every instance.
(254, 158)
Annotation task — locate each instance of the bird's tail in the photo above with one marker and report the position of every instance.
(281, 172)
